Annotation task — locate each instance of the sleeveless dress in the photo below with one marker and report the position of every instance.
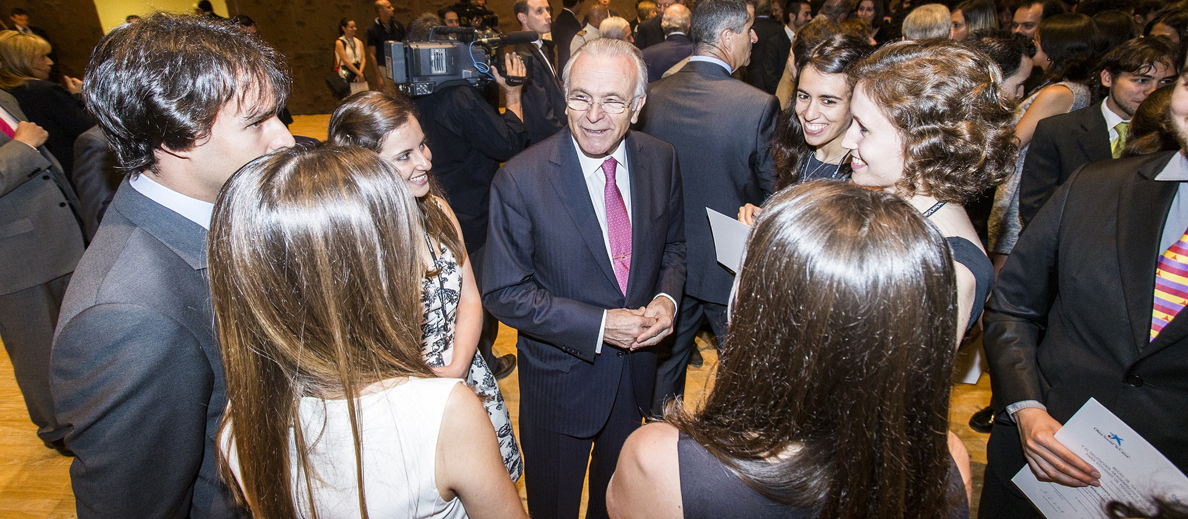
(354, 49)
(1004, 224)
(400, 426)
(440, 295)
(711, 491)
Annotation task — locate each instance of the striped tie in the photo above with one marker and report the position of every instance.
(1171, 285)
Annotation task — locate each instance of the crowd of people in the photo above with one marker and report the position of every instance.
(216, 319)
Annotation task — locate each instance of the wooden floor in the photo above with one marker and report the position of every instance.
(35, 481)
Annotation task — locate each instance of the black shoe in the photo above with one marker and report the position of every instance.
(695, 359)
(504, 365)
(982, 421)
(60, 446)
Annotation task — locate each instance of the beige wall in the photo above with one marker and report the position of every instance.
(113, 12)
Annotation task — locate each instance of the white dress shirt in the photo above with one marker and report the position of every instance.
(1112, 119)
(596, 186)
(192, 209)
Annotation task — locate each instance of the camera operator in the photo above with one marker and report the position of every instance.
(469, 139)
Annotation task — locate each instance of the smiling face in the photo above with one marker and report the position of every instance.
(601, 79)
(823, 106)
(875, 144)
(405, 149)
(350, 29)
(1129, 90)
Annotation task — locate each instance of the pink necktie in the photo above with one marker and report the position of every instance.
(618, 226)
(6, 128)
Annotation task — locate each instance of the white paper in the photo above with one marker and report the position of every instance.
(730, 238)
(1132, 471)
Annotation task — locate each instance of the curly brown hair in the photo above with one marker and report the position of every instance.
(956, 128)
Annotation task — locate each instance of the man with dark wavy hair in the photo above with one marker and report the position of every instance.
(136, 371)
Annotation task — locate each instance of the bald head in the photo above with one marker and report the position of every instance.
(676, 19)
(597, 15)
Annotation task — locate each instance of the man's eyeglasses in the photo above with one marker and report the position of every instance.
(612, 106)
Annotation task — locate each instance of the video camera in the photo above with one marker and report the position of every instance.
(421, 68)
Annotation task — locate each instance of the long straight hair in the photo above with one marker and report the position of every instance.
(832, 388)
(315, 274)
(365, 119)
(18, 53)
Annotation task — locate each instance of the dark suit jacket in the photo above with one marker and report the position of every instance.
(137, 375)
(766, 65)
(543, 97)
(63, 116)
(649, 33)
(469, 139)
(721, 128)
(664, 55)
(96, 175)
(1062, 143)
(1070, 316)
(40, 236)
(564, 28)
(547, 274)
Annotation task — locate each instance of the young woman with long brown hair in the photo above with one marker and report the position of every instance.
(832, 386)
(316, 264)
(453, 313)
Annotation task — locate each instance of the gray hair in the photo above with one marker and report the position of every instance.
(676, 19)
(615, 28)
(607, 47)
(711, 17)
(930, 21)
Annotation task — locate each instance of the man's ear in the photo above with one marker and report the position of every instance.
(522, 18)
(1107, 80)
(638, 108)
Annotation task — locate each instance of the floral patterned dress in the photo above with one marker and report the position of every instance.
(440, 295)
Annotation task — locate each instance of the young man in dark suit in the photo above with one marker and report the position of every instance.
(1089, 306)
(136, 372)
(544, 105)
(722, 170)
(565, 26)
(586, 258)
(1065, 142)
(41, 239)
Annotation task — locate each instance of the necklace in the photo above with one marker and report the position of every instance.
(822, 166)
(932, 210)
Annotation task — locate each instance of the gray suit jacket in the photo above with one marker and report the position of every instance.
(137, 375)
(721, 128)
(40, 236)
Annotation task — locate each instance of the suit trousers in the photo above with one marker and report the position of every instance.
(27, 321)
(555, 463)
(673, 358)
(1000, 497)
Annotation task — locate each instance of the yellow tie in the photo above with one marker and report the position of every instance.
(1119, 141)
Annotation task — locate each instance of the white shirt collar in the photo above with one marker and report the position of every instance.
(791, 33)
(712, 59)
(192, 209)
(1176, 169)
(592, 166)
(1112, 119)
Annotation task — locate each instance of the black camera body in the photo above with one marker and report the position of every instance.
(421, 68)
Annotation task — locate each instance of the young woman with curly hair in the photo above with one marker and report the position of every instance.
(931, 126)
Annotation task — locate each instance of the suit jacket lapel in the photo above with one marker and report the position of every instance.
(643, 210)
(1096, 140)
(1142, 210)
(568, 181)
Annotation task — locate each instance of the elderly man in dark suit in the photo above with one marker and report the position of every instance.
(586, 258)
(1089, 305)
(725, 164)
(1065, 142)
(649, 32)
(136, 372)
(676, 45)
(544, 104)
(41, 240)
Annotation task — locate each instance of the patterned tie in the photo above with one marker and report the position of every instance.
(1171, 285)
(618, 225)
(1119, 141)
